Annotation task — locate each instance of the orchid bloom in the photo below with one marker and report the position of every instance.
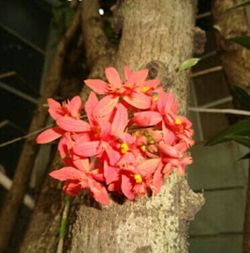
(133, 137)
(104, 131)
(67, 117)
(134, 91)
(80, 177)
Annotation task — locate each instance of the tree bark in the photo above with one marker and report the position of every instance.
(235, 61)
(158, 35)
(235, 58)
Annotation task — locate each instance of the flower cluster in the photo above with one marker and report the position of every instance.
(131, 139)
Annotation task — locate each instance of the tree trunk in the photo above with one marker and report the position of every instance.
(235, 61)
(235, 58)
(159, 35)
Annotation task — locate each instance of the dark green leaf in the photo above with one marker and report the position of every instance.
(244, 140)
(240, 5)
(188, 64)
(242, 96)
(247, 156)
(242, 40)
(241, 128)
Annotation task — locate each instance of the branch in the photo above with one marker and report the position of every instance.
(16, 194)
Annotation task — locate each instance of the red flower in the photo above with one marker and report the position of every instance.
(133, 91)
(80, 177)
(67, 117)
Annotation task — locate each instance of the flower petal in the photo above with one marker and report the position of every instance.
(127, 187)
(138, 100)
(157, 180)
(72, 125)
(90, 104)
(105, 106)
(113, 77)
(138, 77)
(66, 173)
(87, 149)
(72, 188)
(120, 121)
(169, 150)
(49, 135)
(99, 192)
(75, 106)
(111, 173)
(148, 167)
(98, 86)
(55, 109)
(147, 118)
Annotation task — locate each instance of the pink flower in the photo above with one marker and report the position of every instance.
(80, 177)
(67, 117)
(107, 135)
(134, 91)
(165, 111)
(137, 180)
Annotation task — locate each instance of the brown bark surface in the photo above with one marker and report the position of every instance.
(158, 35)
(235, 58)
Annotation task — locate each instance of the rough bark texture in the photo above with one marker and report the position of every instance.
(235, 58)
(157, 34)
(153, 34)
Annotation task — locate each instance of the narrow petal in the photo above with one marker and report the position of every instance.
(138, 77)
(72, 125)
(55, 109)
(75, 106)
(157, 180)
(66, 173)
(120, 121)
(49, 135)
(148, 118)
(82, 165)
(98, 86)
(99, 192)
(87, 149)
(113, 77)
(105, 106)
(72, 188)
(112, 154)
(90, 104)
(111, 173)
(127, 72)
(169, 150)
(138, 100)
(127, 187)
(148, 167)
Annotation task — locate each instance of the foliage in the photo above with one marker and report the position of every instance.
(189, 63)
(239, 132)
(242, 40)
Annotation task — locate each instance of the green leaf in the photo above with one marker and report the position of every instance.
(240, 5)
(242, 97)
(188, 63)
(241, 128)
(242, 40)
(246, 156)
(244, 140)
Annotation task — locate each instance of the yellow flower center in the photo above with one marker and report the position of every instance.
(145, 89)
(178, 121)
(144, 148)
(124, 148)
(138, 178)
